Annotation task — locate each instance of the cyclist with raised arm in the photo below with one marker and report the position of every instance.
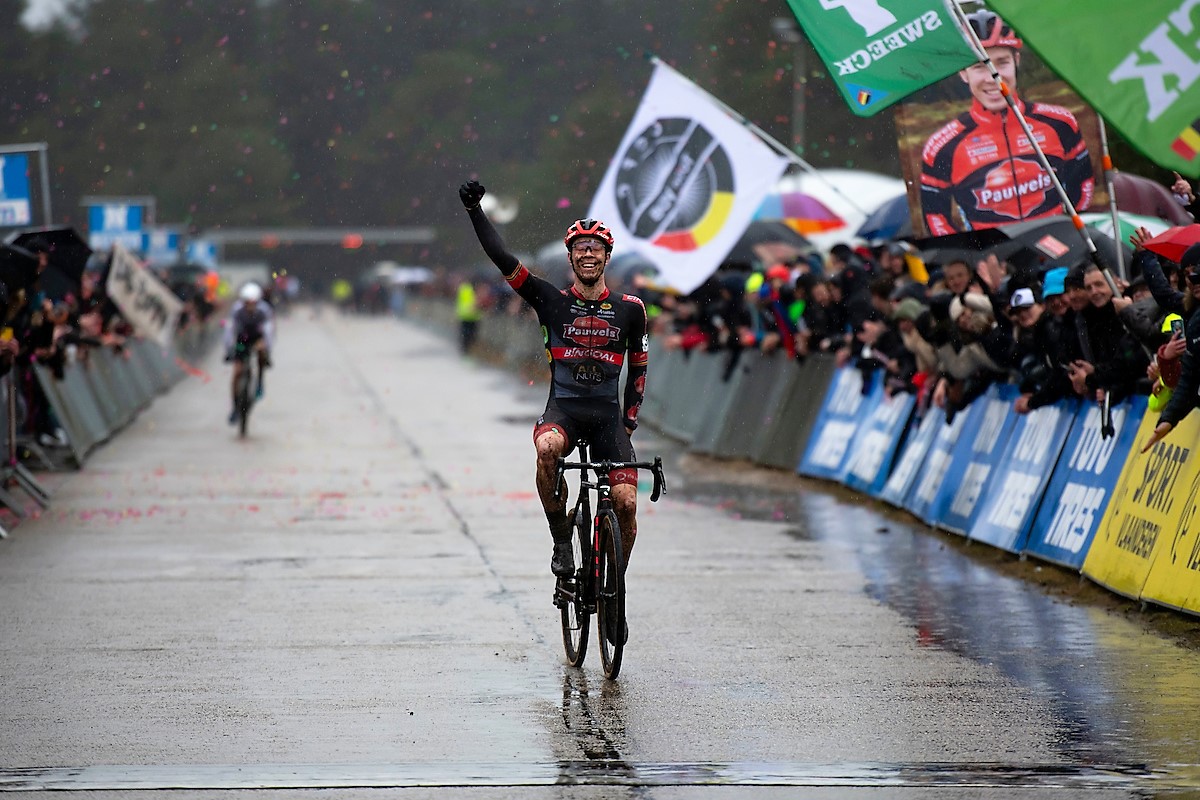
(589, 334)
(249, 329)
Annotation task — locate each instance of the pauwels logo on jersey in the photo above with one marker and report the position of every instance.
(591, 332)
(1011, 189)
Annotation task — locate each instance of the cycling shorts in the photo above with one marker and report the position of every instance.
(600, 425)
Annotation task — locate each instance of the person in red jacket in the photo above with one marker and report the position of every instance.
(983, 164)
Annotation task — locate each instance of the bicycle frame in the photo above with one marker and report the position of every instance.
(597, 587)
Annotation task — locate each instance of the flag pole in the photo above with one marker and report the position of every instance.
(1109, 172)
(770, 140)
(1068, 206)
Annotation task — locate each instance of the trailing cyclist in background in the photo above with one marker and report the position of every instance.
(589, 335)
(249, 329)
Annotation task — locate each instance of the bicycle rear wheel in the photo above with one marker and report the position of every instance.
(575, 593)
(610, 594)
(244, 399)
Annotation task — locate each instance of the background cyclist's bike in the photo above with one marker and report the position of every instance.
(598, 584)
(244, 390)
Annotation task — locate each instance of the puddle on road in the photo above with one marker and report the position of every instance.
(1124, 693)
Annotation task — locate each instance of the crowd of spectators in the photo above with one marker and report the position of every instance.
(51, 318)
(947, 331)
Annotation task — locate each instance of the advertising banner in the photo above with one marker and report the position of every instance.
(685, 182)
(1140, 74)
(161, 246)
(967, 166)
(110, 224)
(1021, 475)
(975, 460)
(935, 469)
(878, 440)
(912, 457)
(879, 53)
(845, 408)
(145, 301)
(1079, 491)
(1149, 500)
(15, 207)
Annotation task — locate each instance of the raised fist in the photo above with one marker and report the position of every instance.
(471, 193)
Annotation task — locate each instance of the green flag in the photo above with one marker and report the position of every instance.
(880, 51)
(1137, 63)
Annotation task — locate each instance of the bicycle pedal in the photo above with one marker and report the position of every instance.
(563, 593)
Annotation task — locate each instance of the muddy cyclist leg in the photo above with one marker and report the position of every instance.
(551, 443)
(624, 497)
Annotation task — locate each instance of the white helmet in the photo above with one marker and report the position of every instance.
(251, 293)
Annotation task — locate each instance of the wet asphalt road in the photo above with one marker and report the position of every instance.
(357, 599)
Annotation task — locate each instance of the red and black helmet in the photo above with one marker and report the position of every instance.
(993, 31)
(589, 227)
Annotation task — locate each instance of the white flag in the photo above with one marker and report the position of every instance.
(145, 301)
(686, 181)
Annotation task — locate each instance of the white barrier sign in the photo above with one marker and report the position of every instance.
(145, 301)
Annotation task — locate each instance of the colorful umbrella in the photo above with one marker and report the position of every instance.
(1102, 221)
(1173, 242)
(1139, 195)
(892, 220)
(801, 212)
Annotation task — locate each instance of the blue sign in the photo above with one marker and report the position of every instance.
(1081, 486)
(202, 252)
(1022, 474)
(832, 437)
(878, 440)
(115, 223)
(14, 190)
(976, 459)
(161, 246)
(912, 457)
(934, 470)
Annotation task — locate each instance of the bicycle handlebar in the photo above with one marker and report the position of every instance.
(604, 467)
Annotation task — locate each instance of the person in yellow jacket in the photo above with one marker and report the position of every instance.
(467, 309)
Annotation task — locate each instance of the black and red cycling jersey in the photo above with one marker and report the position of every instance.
(983, 162)
(587, 341)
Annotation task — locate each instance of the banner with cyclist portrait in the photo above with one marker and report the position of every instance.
(968, 164)
(685, 182)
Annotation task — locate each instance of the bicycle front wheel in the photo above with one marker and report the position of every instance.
(243, 399)
(610, 593)
(576, 593)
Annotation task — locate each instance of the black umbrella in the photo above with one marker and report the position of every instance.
(1054, 242)
(764, 232)
(18, 268)
(1039, 245)
(67, 251)
(892, 220)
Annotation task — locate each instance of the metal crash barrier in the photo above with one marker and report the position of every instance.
(94, 398)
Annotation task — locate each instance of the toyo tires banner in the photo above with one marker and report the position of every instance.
(1080, 488)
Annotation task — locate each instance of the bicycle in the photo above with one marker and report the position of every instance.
(244, 389)
(598, 584)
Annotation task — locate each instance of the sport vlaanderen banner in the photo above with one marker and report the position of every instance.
(880, 52)
(1135, 62)
(685, 182)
